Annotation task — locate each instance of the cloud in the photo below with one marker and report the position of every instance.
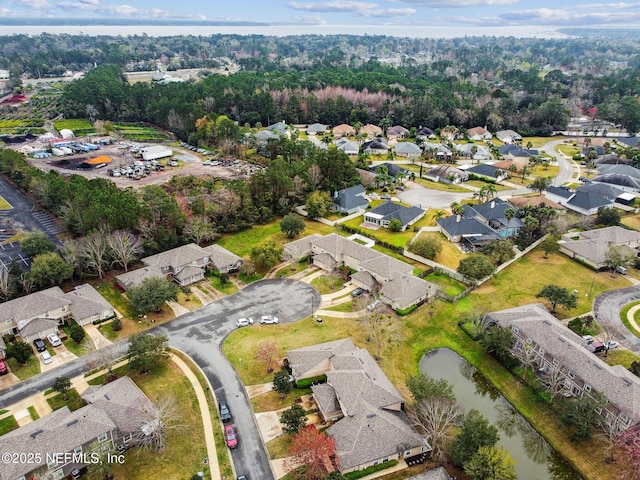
(31, 4)
(123, 10)
(362, 9)
(455, 3)
(608, 6)
(310, 20)
(548, 16)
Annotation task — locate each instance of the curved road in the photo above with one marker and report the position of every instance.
(200, 335)
(566, 166)
(606, 308)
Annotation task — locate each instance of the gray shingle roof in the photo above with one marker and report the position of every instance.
(86, 301)
(405, 288)
(389, 210)
(466, 226)
(408, 147)
(485, 170)
(491, 210)
(445, 171)
(177, 257)
(618, 179)
(621, 169)
(135, 277)
(220, 256)
(301, 360)
(434, 474)
(588, 200)
(560, 192)
(301, 247)
(621, 387)
(594, 244)
(38, 325)
(352, 197)
(603, 189)
(33, 305)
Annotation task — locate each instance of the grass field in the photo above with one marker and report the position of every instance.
(4, 205)
(7, 424)
(445, 187)
(31, 368)
(631, 221)
(450, 255)
(480, 184)
(327, 283)
(71, 399)
(398, 239)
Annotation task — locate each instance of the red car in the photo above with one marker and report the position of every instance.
(230, 436)
(3, 368)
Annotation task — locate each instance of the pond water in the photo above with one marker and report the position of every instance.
(535, 459)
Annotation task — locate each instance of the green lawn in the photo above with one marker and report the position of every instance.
(445, 187)
(631, 221)
(398, 239)
(4, 205)
(7, 424)
(342, 307)
(480, 184)
(447, 284)
(279, 447)
(620, 356)
(73, 401)
(450, 255)
(327, 283)
(228, 288)
(31, 368)
(114, 297)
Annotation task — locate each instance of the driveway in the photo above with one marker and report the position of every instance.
(200, 335)
(606, 309)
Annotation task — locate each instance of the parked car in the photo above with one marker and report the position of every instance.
(621, 270)
(373, 305)
(54, 340)
(225, 414)
(597, 347)
(46, 357)
(173, 163)
(3, 368)
(242, 477)
(39, 344)
(230, 436)
(611, 344)
(588, 339)
(385, 196)
(244, 322)
(269, 319)
(357, 292)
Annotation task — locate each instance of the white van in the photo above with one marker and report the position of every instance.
(621, 270)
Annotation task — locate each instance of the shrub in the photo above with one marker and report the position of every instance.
(116, 325)
(406, 311)
(370, 470)
(307, 382)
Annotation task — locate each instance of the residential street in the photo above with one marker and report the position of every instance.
(606, 308)
(200, 335)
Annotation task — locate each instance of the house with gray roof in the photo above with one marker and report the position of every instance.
(621, 181)
(350, 200)
(347, 146)
(591, 246)
(50, 307)
(222, 259)
(88, 306)
(387, 211)
(378, 146)
(479, 153)
(584, 201)
(116, 413)
(263, 136)
(425, 133)
(407, 150)
(471, 233)
(397, 131)
(494, 213)
(365, 410)
(434, 474)
(316, 128)
(488, 172)
(508, 136)
(446, 174)
(375, 271)
(620, 169)
(561, 353)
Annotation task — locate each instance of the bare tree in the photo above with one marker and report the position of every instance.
(164, 418)
(435, 418)
(6, 284)
(70, 252)
(125, 247)
(199, 229)
(93, 250)
(528, 358)
(26, 283)
(556, 380)
(382, 330)
(268, 354)
(102, 354)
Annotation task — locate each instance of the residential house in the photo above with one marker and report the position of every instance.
(623, 182)
(508, 136)
(586, 151)
(377, 146)
(450, 133)
(517, 154)
(434, 474)
(367, 177)
(397, 131)
(343, 130)
(561, 353)
(488, 172)
(279, 128)
(478, 153)
(605, 190)
(408, 150)
(365, 410)
(316, 129)
(438, 151)
(349, 147)
(612, 159)
(471, 233)
(494, 214)
(375, 271)
(425, 133)
(534, 201)
(88, 306)
(222, 259)
(478, 134)
(384, 213)
(370, 130)
(185, 265)
(583, 202)
(263, 136)
(350, 200)
(35, 315)
(393, 170)
(446, 174)
(116, 413)
(628, 170)
(591, 246)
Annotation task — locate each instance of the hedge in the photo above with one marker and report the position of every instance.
(370, 470)
(406, 311)
(307, 382)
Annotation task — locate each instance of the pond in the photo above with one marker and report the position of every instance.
(535, 459)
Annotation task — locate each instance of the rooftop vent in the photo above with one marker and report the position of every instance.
(36, 433)
(546, 322)
(72, 422)
(371, 415)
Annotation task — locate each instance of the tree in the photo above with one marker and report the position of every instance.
(476, 432)
(499, 343)
(268, 354)
(21, 351)
(103, 355)
(476, 266)
(36, 243)
(77, 333)
(491, 463)
(608, 217)
(581, 413)
(266, 255)
(281, 382)
(557, 295)
(618, 256)
(549, 245)
(457, 208)
(435, 412)
(292, 225)
(382, 330)
(165, 417)
(318, 204)
(293, 419)
(152, 293)
(627, 445)
(499, 251)
(395, 225)
(427, 246)
(93, 250)
(635, 368)
(62, 385)
(124, 247)
(147, 350)
(7, 284)
(310, 452)
(540, 184)
(49, 269)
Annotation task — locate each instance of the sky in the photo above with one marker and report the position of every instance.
(459, 13)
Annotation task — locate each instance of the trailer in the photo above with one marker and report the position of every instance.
(66, 150)
(57, 152)
(155, 152)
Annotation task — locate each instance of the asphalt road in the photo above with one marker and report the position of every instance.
(566, 166)
(200, 335)
(606, 309)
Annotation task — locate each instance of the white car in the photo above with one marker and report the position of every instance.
(269, 319)
(46, 357)
(244, 322)
(611, 344)
(54, 340)
(372, 306)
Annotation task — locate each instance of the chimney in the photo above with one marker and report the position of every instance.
(493, 204)
(458, 218)
(335, 194)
